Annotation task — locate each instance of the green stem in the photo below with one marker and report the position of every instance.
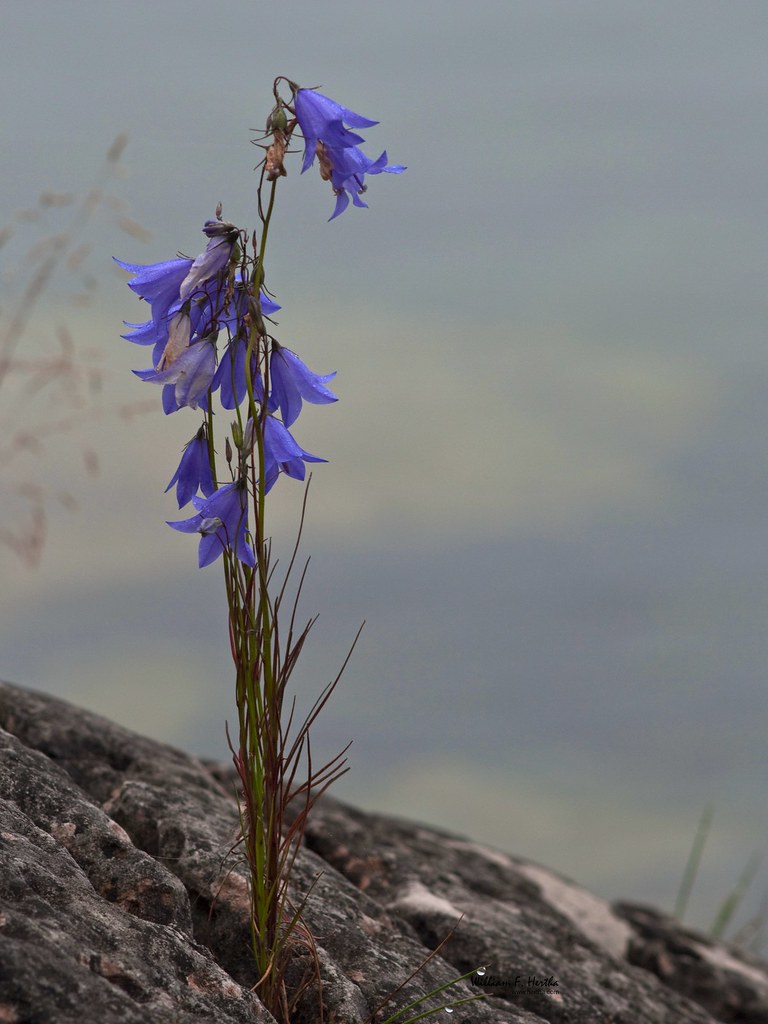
(260, 746)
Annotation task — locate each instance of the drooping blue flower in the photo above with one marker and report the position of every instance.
(322, 120)
(229, 378)
(230, 375)
(222, 522)
(347, 169)
(282, 454)
(191, 374)
(203, 314)
(194, 472)
(158, 284)
(291, 381)
(164, 285)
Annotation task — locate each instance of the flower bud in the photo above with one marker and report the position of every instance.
(278, 121)
(248, 437)
(237, 434)
(228, 452)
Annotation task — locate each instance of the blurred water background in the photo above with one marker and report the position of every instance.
(548, 476)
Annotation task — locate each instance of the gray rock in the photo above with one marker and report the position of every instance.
(122, 899)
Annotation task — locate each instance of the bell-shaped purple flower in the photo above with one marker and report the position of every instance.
(203, 315)
(230, 375)
(222, 522)
(229, 378)
(291, 381)
(322, 120)
(194, 472)
(191, 374)
(164, 285)
(158, 284)
(282, 454)
(348, 168)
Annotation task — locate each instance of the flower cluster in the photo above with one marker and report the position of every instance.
(191, 302)
(194, 303)
(208, 336)
(342, 162)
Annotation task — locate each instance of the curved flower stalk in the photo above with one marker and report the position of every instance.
(209, 331)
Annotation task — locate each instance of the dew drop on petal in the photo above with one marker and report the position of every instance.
(449, 1009)
(480, 972)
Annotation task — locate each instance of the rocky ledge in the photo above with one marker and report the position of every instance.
(121, 902)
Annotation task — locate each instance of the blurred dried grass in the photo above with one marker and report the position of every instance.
(52, 391)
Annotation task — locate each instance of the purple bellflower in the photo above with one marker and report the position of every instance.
(191, 373)
(229, 378)
(342, 162)
(292, 381)
(230, 375)
(282, 454)
(164, 284)
(194, 472)
(346, 169)
(158, 284)
(201, 311)
(322, 120)
(222, 522)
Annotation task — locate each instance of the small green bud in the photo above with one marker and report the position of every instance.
(237, 436)
(279, 122)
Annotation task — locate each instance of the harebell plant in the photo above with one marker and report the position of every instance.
(211, 342)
